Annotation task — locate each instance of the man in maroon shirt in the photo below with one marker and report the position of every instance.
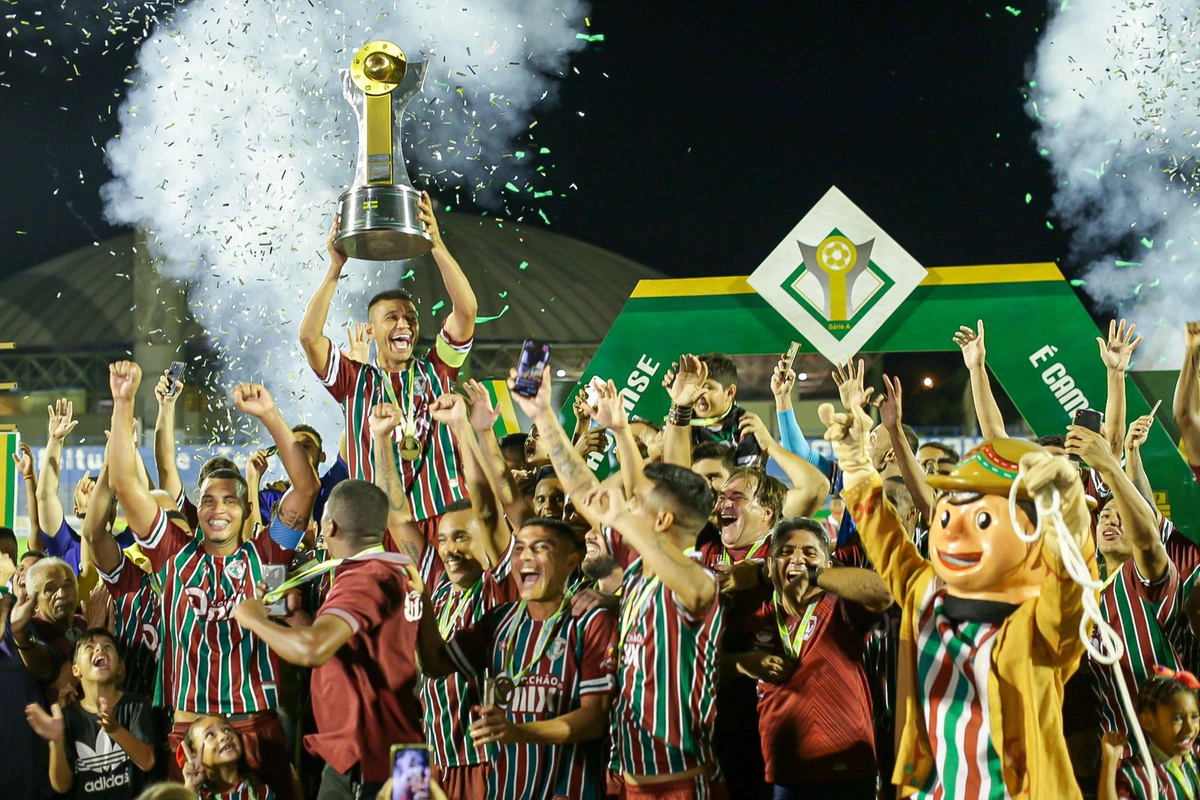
(816, 724)
(361, 647)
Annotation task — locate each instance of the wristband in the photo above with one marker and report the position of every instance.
(813, 572)
(763, 578)
(679, 416)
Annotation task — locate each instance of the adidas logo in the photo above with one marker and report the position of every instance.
(100, 784)
(107, 756)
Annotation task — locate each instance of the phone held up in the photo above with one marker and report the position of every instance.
(790, 357)
(174, 375)
(534, 358)
(1087, 418)
(411, 772)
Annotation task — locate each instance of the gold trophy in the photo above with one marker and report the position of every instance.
(379, 211)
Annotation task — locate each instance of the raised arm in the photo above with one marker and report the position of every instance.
(23, 459)
(460, 325)
(62, 422)
(1138, 432)
(891, 413)
(572, 470)
(409, 539)
(164, 436)
(1187, 395)
(308, 646)
(450, 410)
(316, 345)
(124, 377)
(1115, 353)
(975, 357)
(295, 508)
(809, 486)
(610, 412)
(106, 553)
(1139, 520)
(790, 435)
(691, 584)
(684, 383)
(483, 420)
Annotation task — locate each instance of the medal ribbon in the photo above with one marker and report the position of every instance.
(543, 640)
(1181, 779)
(310, 572)
(408, 417)
(725, 558)
(452, 613)
(794, 645)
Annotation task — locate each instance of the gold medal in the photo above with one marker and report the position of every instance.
(410, 448)
(504, 690)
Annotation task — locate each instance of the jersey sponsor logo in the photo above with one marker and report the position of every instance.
(214, 611)
(412, 606)
(538, 694)
(634, 650)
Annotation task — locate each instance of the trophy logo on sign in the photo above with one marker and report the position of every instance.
(379, 211)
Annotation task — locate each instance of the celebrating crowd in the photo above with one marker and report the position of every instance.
(684, 628)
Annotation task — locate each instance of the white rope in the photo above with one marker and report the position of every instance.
(1111, 650)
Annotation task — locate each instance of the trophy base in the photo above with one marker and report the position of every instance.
(380, 223)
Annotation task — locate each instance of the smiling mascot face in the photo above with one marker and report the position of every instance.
(972, 543)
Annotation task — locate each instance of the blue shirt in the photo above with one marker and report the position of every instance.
(267, 498)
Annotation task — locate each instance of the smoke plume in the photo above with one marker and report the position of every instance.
(1115, 92)
(235, 144)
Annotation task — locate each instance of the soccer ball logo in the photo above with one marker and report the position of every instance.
(837, 254)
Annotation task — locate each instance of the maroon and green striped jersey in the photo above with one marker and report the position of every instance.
(665, 709)
(1175, 781)
(432, 480)
(448, 701)
(137, 624)
(243, 791)
(578, 660)
(1140, 612)
(209, 663)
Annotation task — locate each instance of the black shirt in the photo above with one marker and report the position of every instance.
(102, 770)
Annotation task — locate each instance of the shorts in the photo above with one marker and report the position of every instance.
(697, 787)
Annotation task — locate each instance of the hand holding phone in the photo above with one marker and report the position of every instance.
(174, 375)
(273, 576)
(1087, 418)
(534, 358)
(411, 772)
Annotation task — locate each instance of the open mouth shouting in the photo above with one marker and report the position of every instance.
(959, 561)
(101, 662)
(401, 340)
(529, 576)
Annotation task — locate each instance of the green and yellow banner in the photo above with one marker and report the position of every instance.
(8, 480)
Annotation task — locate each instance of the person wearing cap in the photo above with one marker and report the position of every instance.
(990, 624)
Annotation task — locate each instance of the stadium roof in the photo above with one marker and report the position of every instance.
(84, 298)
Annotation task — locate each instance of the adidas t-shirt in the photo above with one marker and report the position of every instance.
(102, 770)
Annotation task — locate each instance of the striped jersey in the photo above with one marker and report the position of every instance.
(1140, 612)
(138, 620)
(1175, 781)
(448, 701)
(432, 480)
(243, 791)
(1185, 555)
(953, 664)
(577, 661)
(665, 708)
(209, 663)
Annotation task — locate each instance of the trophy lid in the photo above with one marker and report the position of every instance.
(378, 67)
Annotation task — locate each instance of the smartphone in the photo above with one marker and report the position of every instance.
(1087, 418)
(273, 450)
(534, 358)
(792, 352)
(174, 374)
(411, 772)
(273, 576)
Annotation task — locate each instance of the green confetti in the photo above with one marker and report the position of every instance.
(503, 311)
(1077, 282)
(408, 274)
(519, 154)
(542, 214)
(436, 306)
(1016, 12)
(544, 150)
(1147, 243)
(1157, 281)
(1028, 198)
(523, 265)
(598, 37)
(503, 294)
(1049, 225)
(1121, 263)
(511, 188)
(1137, 289)
(536, 195)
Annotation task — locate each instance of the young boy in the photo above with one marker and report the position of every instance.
(716, 415)
(101, 746)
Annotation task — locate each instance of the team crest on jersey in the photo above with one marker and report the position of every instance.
(557, 648)
(412, 606)
(419, 384)
(237, 570)
(808, 629)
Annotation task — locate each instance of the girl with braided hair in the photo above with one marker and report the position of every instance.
(1170, 716)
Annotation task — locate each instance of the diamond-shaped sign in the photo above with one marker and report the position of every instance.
(837, 277)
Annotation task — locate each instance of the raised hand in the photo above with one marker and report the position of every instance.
(848, 432)
(193, 769)
(1191, 338)
(609, 410)
(24, 607)
(124, 378)
(23, 458)
(1112, 746)
(483, 417)
(257, 464)
(687, 382)
(751, 424)
(7, 570)
(97, 611)
(337, 258)
(358, 343)
(539, 403)
(104, 716)
(583, 411)
(593, 441)
(163, 387)
(253, 399)
(1138, 432)
(973, 349)
(603, 505)
(449, 409)
(849, 380)
(48, 726)
(783, 379)
(1092, 447)
(83, 489)
(384, 420)
(890, 405)
(62, 420)
(1116, 352)
(425, 214)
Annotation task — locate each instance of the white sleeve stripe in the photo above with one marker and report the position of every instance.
(157, 531)
(596, 687)
(460, 660)
(331, 370)
(180, 498)
(114, 576)
(345, 616)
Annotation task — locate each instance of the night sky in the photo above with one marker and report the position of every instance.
(707, 130)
